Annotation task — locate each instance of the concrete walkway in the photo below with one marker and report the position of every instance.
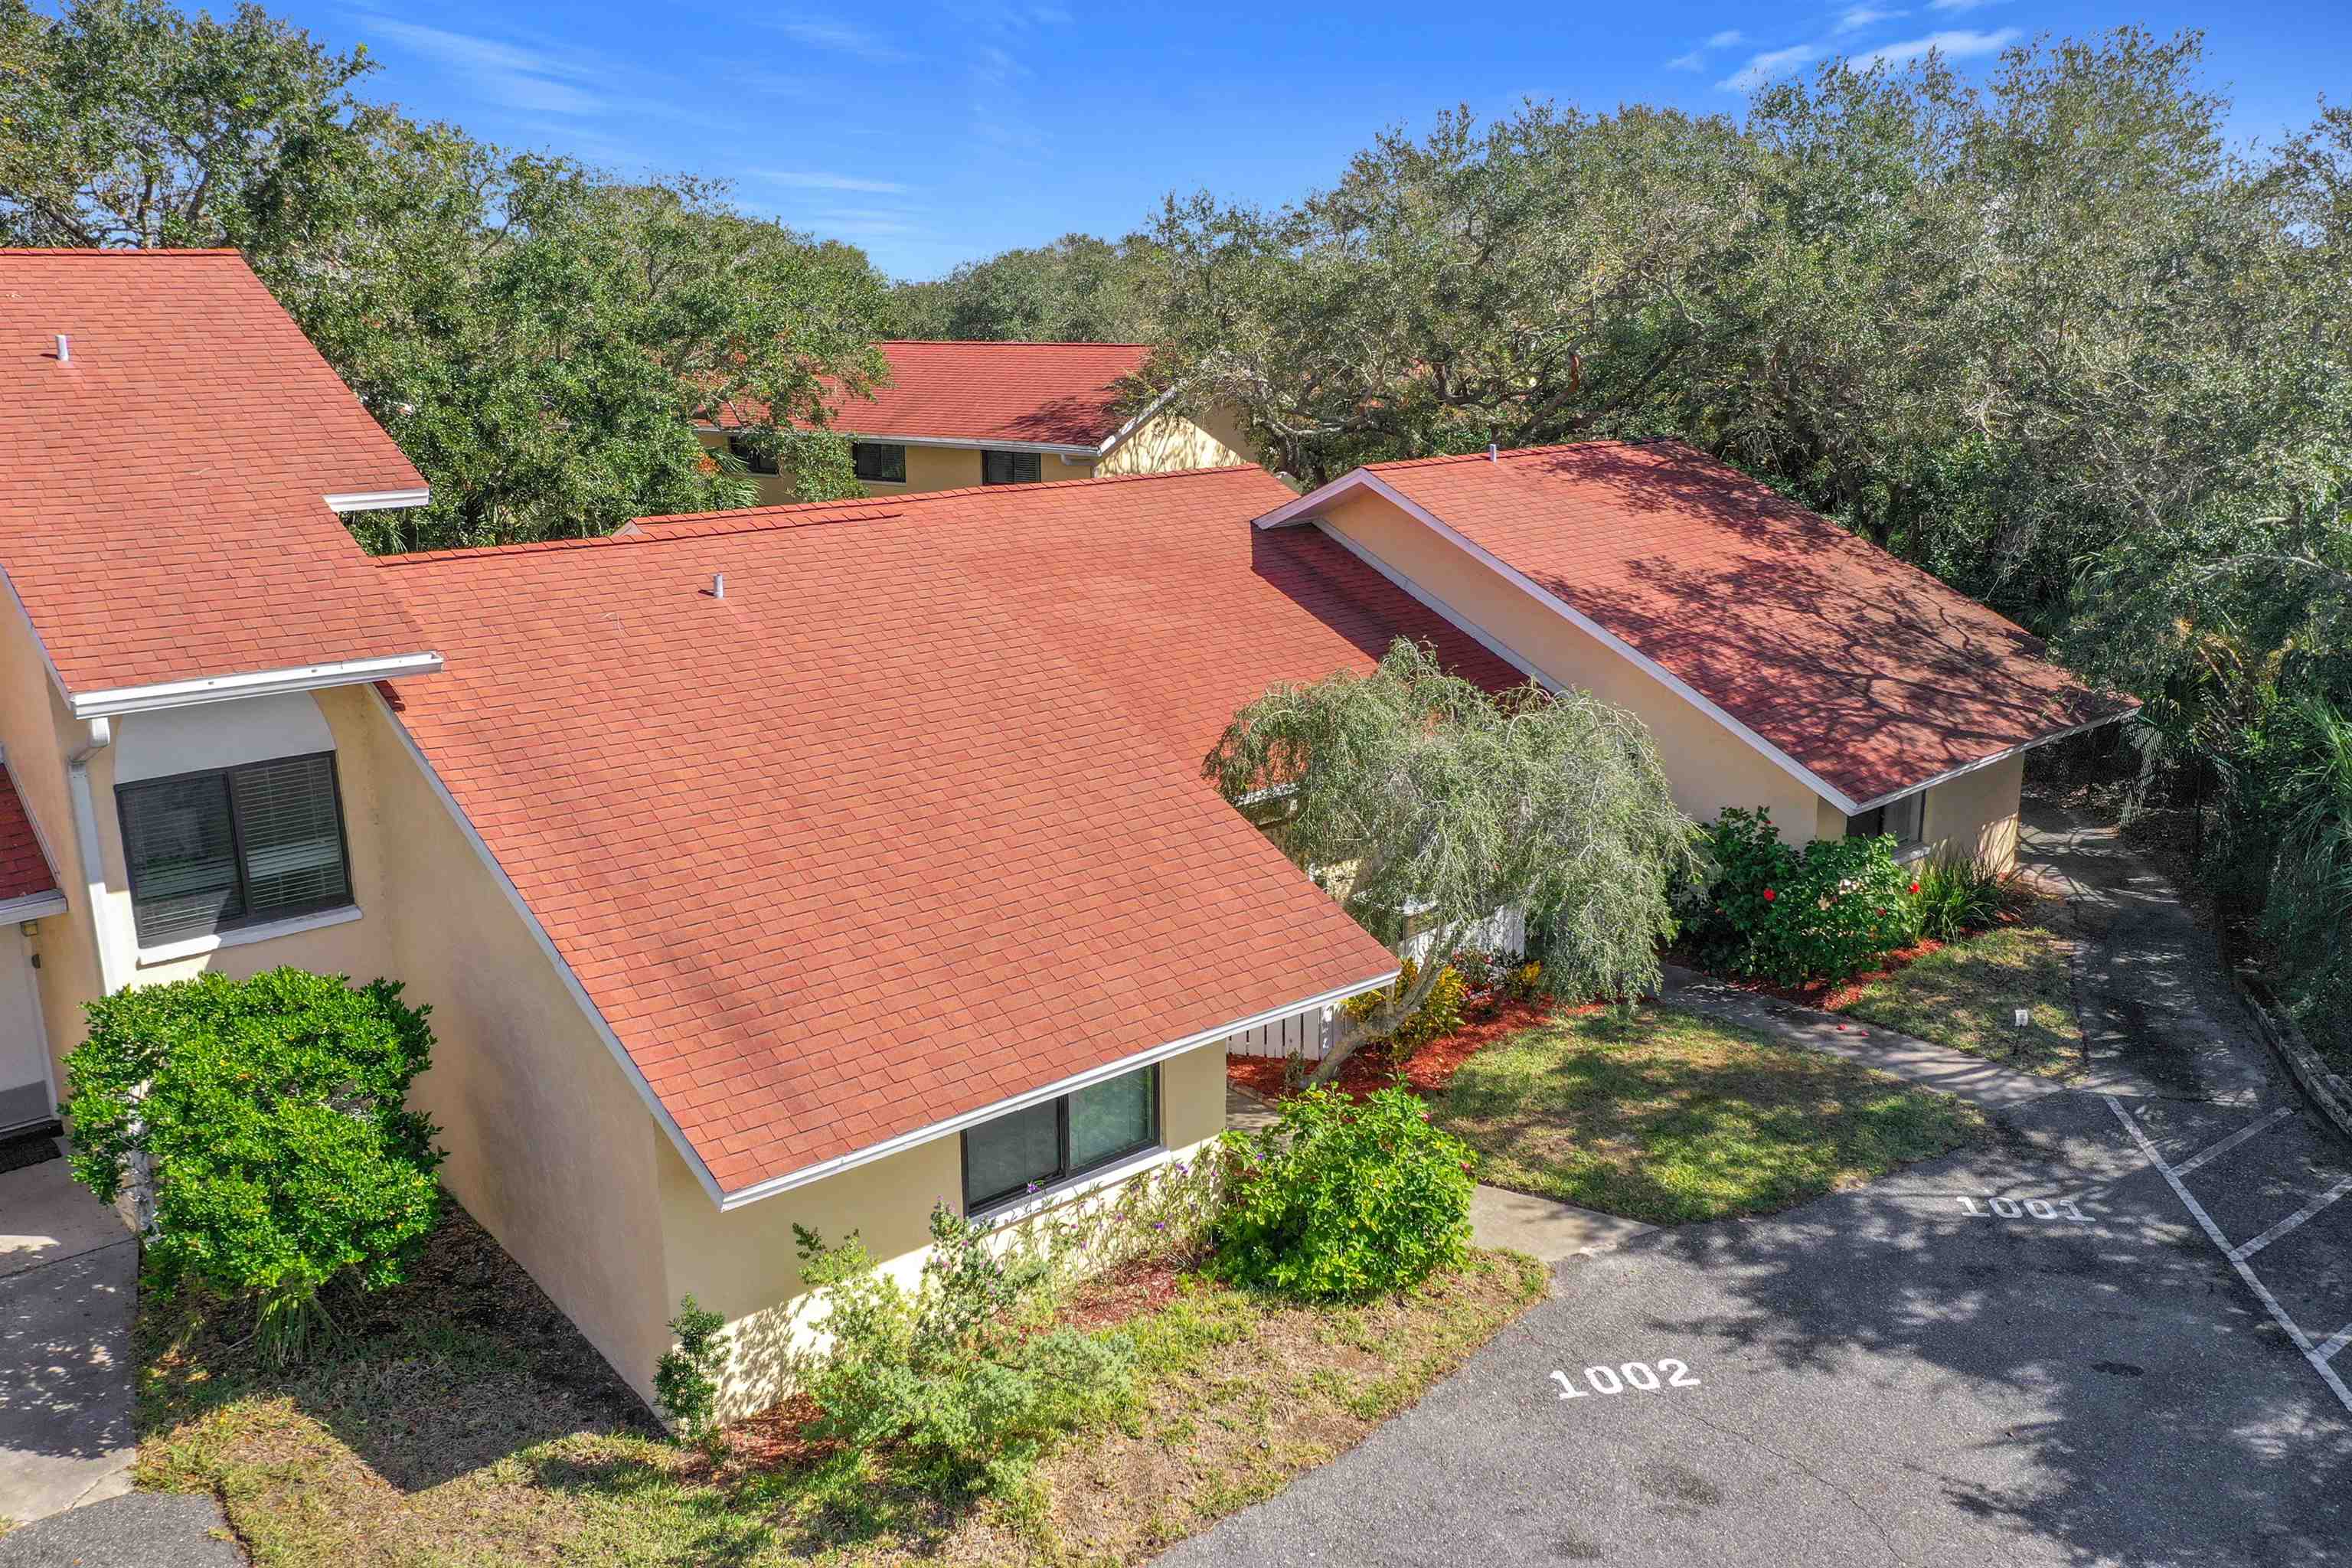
(1543, 1228)
(1984, 1084)
(68, 1278)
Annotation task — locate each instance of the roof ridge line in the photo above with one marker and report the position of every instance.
(1436, 458)
(120, 252)
(553, 546)
(1015, 342)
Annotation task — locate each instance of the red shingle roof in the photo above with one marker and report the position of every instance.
(24, 869)
(911, 820)
(1053, 394)
(161, 493)
(1871, 674)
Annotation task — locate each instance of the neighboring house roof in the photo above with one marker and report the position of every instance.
(910, 822)
(26, 876)
(1020, 394)
(1867, 677)
(163, 492)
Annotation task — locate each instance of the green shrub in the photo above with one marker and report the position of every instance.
(1787, 916)
(1957, 897)
(1341, 1201)
(269, 1117)
(686, 1379)
(1440, 1013)
(943, 1376)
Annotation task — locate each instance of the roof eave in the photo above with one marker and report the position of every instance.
(1875, 801)
(105, 704)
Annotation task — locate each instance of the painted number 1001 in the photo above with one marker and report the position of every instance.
(1640, 1376)
(2033, 1208)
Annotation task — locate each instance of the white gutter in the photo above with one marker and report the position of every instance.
(954, 1124)
(116, 958)
(33, 906)
(256, 683)
(380, 500)
(2001, 756)
(964, 443)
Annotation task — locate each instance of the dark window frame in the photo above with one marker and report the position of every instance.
(737, 444)
(857, 450)
(246, 918)
(1013, 461)
(988, 1203)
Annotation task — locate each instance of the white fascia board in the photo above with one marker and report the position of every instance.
(955, 1124)
(33, 906)
(2001, 756)
(579, 992)
(1305, 506)
(380, 500)
(255, 683)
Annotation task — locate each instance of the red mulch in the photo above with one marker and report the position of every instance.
(1136, 1287)
(777, 1438)
(1374, 1067)
(1836, 995)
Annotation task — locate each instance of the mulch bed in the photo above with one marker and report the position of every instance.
(1128, 1290)
(1428, 1070)
(1829, 995)
(777, 1438)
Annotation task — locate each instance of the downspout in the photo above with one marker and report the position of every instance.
(114, 964)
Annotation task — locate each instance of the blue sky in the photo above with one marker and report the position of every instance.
(933, 134)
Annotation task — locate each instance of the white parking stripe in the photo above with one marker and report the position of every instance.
(2213, 1234)
(2336, 1341)
(2297, 1218)
(2233, 1140)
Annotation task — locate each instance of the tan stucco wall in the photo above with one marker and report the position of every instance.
(927, 469)
(1708, 765)
(36, 731)
(1974, 817)
(1170, 442)
(742, 1263)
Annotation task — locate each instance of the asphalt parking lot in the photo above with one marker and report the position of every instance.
(1950, 1367)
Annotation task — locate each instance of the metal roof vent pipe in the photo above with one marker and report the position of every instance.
(65, 349)
(1492, 456)
(719, 584)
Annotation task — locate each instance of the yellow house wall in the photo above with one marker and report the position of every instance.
(1974, 817)
(1709, 766)
(1169, 442)
(742, 1265)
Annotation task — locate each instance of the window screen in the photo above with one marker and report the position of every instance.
(1063, 1138)
(880, 461)
(1009, 468)
(211, 851)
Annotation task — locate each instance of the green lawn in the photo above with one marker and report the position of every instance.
(465, 1422)
(1963, 996)
(1671, 1117)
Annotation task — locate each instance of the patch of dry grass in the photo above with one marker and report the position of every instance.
(465, 1422)
(1963, 994)
(1669, 1116)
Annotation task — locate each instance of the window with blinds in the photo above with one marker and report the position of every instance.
(212, 851)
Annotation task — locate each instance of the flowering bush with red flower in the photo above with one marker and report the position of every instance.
(1787, 916)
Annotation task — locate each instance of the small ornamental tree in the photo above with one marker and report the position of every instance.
(269, 1116)
(1424, 805)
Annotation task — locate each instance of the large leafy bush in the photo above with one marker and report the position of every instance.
(945, 1375)
(269, 1116)
(1339, 1200)
(1787, 916)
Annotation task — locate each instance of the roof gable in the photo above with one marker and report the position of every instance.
(164, 512)
(1864, 675)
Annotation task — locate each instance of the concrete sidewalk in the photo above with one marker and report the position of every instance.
(1985, 1084)
(69, 1281)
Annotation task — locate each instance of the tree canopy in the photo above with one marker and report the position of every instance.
(1079, 289)
(538, 336)
(1425, 804)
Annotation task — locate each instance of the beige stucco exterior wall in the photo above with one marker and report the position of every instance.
(1171, 441)
(1974, 817)
(742, 1263)
(1708, 765)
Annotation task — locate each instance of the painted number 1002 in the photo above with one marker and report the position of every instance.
(1640, 1376)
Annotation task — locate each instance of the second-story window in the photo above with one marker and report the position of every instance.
(212, 851)
(758, 456)
(881, 462)
(1009, 468)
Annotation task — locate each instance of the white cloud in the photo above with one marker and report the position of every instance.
(1696, 58)
(1726, 39)
(1952, 46)
(544, 83)
(841, 38)
(1763, 68)
(1961, 4)
(1690, 62)
(804, 181)
(1856, 18)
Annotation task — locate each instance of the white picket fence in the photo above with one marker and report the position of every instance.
(1307, 1035)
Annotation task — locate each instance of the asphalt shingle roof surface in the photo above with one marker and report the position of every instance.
(1056, 394)
(162, 510)
(1870, 673)
(911, 820)
(24, 869)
